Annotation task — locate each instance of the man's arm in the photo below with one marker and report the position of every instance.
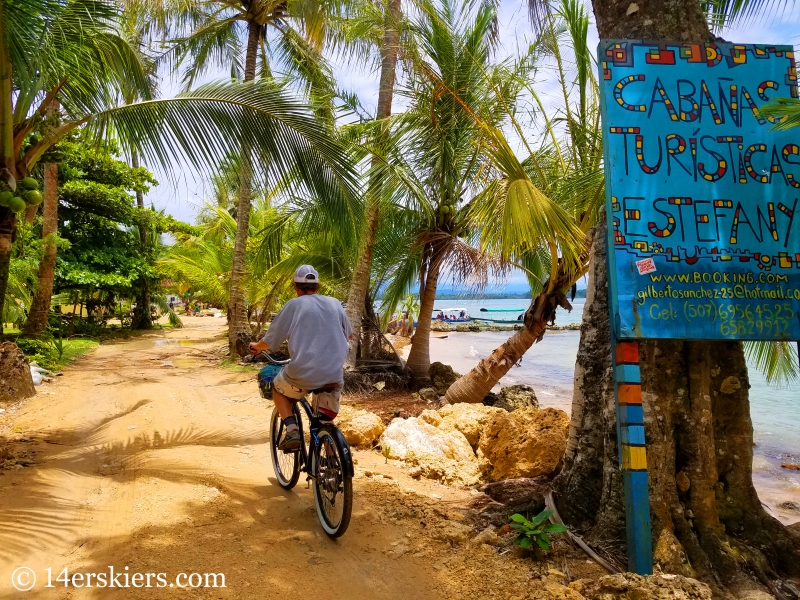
(277, 331)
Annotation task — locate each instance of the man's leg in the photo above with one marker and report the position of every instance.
(282, 403)
(284, 395)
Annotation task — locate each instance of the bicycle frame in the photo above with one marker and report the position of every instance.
(313, 443)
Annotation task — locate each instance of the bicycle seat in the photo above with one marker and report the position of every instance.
(328, 387)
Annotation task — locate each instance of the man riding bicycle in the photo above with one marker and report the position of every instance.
(317, 330)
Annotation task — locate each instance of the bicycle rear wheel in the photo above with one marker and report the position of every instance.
(285, 465)
(333, 491)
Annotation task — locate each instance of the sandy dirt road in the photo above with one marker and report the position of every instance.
(148, 457)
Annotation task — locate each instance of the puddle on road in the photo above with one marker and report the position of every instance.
(185, 362)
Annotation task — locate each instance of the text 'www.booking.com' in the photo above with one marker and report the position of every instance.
(25, 579)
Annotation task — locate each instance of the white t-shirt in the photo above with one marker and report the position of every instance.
(317, 330)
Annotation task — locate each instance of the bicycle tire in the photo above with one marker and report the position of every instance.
(285, 465)
(331, 484)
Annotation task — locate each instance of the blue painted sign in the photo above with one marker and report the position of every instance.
(702, 192)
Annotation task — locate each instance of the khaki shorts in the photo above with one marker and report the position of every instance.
(327, 402)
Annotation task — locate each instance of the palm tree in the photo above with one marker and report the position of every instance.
(560, 182)
(443, 140)
(84, 68)
(389, 25)
(249, 37)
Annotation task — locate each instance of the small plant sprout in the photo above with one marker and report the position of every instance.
(537, 530)
(386, 451)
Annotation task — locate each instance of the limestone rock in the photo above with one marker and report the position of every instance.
(415, 435)
(469, 419)
(488, 536)
(440, 326)
(442, 377)
(627, 586)
(431, 416)
(516, 396)
(443, 455)
(450, 531)
(525, 443)
(360, 427)
(446, 470)
(463, 328)
(15, 374)
(429, 395)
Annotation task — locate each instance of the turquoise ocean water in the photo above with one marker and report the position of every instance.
(549, 367)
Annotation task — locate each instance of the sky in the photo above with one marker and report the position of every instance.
(186, 195)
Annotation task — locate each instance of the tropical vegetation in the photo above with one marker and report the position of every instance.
(475, 163)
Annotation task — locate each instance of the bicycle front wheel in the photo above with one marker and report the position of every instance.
(333, 491)
(286, 466)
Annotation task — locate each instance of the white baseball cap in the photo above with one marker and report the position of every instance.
(306, 274)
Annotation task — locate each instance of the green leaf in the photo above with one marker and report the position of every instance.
(543, 541)
(554, 528)
(525, 542)
(518, 518)
(542, 516)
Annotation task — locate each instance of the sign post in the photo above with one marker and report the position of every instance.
(703, 208)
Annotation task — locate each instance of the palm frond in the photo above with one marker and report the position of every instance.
(777, 360)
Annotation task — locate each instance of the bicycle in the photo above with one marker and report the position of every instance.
(327, 462)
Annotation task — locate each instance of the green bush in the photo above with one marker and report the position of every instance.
(31, 347)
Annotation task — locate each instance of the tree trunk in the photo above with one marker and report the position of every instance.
(40, 305)
(6, 234)
(357, 293)
(474, 386)
(707, 521)
(419, 357)
(237, 309)
(142, 318)
(706, 517)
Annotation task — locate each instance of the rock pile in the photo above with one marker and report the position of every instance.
(438, 454)
(466, 443)
(360, 427)
(440, 326)
(513, 397)
(627, 586)
(442, 377)
(525, 443)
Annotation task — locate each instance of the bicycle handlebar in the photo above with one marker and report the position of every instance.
(274, 360)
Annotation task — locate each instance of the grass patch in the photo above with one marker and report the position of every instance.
(75, 348)
(45, 353)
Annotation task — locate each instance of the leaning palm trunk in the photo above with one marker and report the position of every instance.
(357, 294)
(475, 385)
(419, 357)
(238, 325)
(40, 304)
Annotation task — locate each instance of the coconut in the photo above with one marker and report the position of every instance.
(17, 204)
(33, 197)
(5, 197)
(29, 183)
